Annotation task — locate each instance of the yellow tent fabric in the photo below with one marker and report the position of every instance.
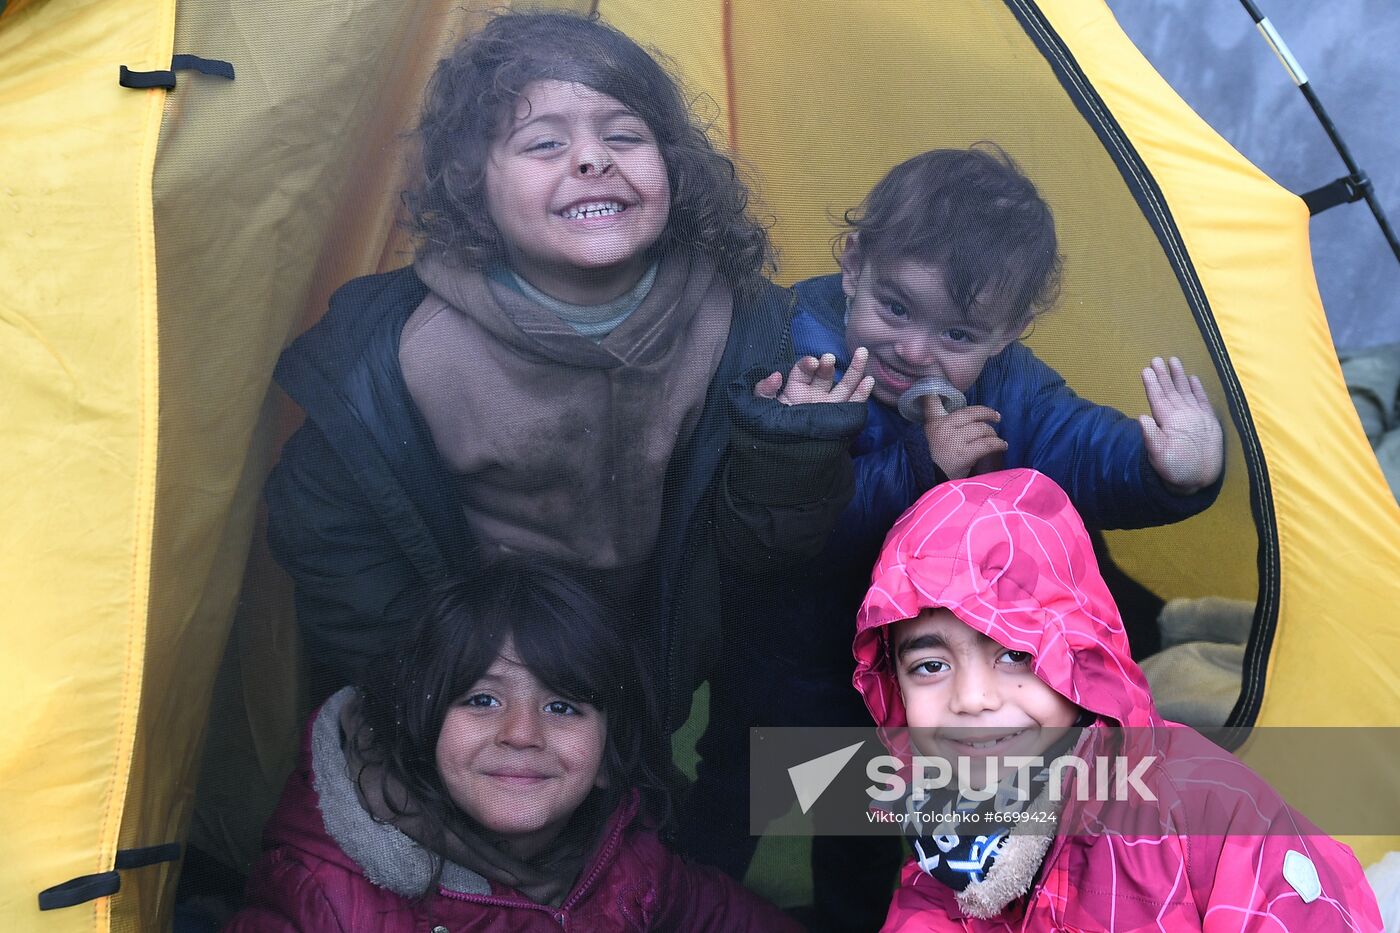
(79, 334)
(160, 247)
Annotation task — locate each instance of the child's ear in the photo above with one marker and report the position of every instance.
(1014, 334)
(852, 262)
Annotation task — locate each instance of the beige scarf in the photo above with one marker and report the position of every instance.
(562, 444)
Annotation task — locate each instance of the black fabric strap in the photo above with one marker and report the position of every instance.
(86, 888)
(1342, 191)
(166, 79)
(208, 66)
(79, 890)
(145, 79)
(148, 855)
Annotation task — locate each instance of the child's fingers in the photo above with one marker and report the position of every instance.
(855, 372)
(1181, 382)
(970, 454)
(933, 409)
(1152, 383)
(862, 392)
(852, 378)
(802, 371)
(1198, 391)
(825, 375)
(769, 386)
(1172, 378)
(972, 414)
(983, 446)
(975, 431)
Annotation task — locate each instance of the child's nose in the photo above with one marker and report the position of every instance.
(917, 350)
(974, 691)
(594, 160)
(520, 728)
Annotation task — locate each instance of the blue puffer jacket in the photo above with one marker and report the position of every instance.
(1094, 452)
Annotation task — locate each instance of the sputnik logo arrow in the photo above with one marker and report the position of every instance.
(811, 778)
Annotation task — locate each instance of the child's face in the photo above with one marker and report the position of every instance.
(517, 757)
(967, 696)
(578, 189)
(902, 313)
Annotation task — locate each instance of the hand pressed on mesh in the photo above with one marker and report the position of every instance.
(1185, 443)
(957, 441)
(814, 380)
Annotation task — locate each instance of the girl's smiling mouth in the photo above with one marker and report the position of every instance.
(591, 210)
(519, 778)
(983, 743)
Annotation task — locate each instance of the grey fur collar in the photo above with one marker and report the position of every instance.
(1011, 874)
(1009, 877)
(388, 857)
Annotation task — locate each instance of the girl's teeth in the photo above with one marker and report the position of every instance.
(585, 211)
(990, 742)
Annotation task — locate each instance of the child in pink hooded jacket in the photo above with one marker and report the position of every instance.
(988, 629)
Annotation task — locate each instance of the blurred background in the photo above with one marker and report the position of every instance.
(1211, 53)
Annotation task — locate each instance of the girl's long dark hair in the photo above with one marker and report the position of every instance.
(472, 98)
(566, 636)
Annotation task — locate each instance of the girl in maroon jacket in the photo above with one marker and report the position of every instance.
(503, 771)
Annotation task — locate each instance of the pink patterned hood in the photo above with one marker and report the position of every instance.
(1008, 555)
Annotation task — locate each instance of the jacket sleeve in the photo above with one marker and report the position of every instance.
(1259, 883)
(1094, 452)
(354, 584)
(1255, 864)
(701, 899)
(787, 478)
(889, 477)
(285, 896)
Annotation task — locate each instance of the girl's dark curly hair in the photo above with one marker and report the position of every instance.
(472, 98)
(567, 637)
(975, 214)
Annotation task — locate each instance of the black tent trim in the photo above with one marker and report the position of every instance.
(166, 79)
(86, 888)
(1153, 205)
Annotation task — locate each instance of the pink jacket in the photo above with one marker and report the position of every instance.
(1008, 555)
(307, 881)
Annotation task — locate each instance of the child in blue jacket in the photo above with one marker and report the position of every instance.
(944, 266)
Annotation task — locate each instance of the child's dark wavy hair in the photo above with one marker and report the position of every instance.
(975, 214)
(472, 98)
(567, 637)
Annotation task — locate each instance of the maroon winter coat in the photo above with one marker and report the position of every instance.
(306, 881)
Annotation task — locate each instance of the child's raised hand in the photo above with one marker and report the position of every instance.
(1185, 443)
(814, 380)
(958, 441)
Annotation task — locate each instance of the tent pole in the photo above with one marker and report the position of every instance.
(1356, 185)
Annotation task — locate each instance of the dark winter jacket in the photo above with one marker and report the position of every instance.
(364, 516)
(329, 867)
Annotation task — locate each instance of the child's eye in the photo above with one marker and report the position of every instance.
(930, 667)
(896, 309)
(1015, 657)
(958, 335)
(544, 145)
(562, 708)
(625, 139)
(483, 700)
